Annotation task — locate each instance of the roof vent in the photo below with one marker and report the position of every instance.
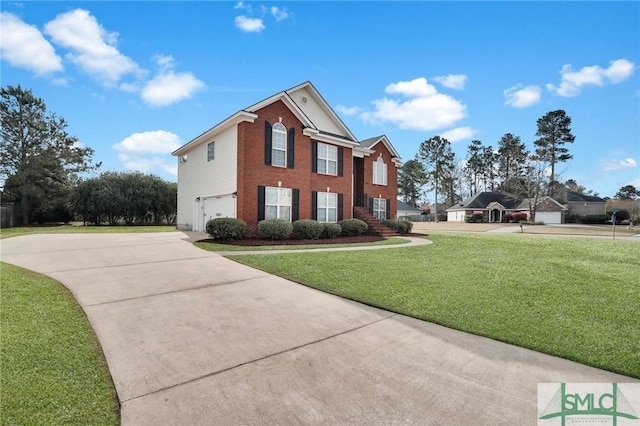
(304, 100)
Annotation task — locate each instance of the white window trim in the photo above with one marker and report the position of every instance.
(213, 144)
(278, 129)
(380, 172)
(326, 207)
(279, 202)
(381, 212)
(328, 159)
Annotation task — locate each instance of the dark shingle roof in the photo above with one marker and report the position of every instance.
(582, 198)
(404, 206)
(483, 199)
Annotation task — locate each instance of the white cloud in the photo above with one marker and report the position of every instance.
(23, 46)
(458, 134)
(170, 87)
(452, 81)
(571, 81)
(278, 13)
(519, 96)
(150, 142)
(425, 110)
(613, 165)
(249, 25)
(634, 182)
(92, 48)
(348, 110)
(149, 151)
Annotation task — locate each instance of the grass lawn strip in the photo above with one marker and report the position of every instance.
(53, 370)
(231, 247)
(70, 229)
(574, 298)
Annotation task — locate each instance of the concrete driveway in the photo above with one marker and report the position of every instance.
(193, 338)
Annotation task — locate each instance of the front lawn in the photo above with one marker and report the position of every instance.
(575, 298)
(209, 246)
(72, 229)
(53, 371)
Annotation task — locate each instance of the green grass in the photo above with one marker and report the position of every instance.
(70, 229)
(53, 371)
(231, 247)
(575, 298)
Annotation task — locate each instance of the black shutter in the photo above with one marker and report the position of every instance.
(295, 209)
(314, 156)
(340, 207)
(389, 209)
(290, 147)
(371, 205)
(340, 161)
(267, 143)
(261, 203)
(314, 205)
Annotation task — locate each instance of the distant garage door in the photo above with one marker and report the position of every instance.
(549, 217)
(223, 206)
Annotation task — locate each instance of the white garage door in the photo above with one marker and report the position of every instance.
(223, 206)
(549, 217)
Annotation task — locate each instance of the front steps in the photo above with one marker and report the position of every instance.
(375, 226)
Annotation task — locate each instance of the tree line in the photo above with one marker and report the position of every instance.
(43, 173)
(510, 167)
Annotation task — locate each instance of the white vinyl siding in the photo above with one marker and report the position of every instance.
(277, 203)
(279, 145)
(327, 207)
(207, 178)
(380, 172)
(327, 159)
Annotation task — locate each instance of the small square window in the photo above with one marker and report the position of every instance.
(211, 151)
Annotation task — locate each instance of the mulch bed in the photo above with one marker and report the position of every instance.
(249, 242)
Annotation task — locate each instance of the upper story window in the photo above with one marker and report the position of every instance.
(327, 159)
(279, 145)
(379, 172)
(211, 151)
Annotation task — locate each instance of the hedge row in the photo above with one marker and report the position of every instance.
(226, 229)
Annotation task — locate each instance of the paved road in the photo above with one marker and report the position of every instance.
(193, 338)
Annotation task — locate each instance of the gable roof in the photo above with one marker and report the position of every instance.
(407, 207)
(549, 203)
(371, 142)
(482, 200)
(340, 134)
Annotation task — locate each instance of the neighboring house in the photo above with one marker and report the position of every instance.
(288, 156)
(547, 210)
(581, 204)
(492, 205)
(407, 211)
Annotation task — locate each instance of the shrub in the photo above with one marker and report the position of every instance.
(621, 215)
(574, 218)
(330, 230)
(353, 227)
(274, 229)
(308, 229)
(226, 228)
(596, 218)
(400, 226)
(507, 218)
(518, 217)
(474, 218)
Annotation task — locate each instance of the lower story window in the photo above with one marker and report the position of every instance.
(380, 208)
(327, 207)
(277, 203)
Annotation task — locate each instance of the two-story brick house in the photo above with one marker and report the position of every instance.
(289, 156)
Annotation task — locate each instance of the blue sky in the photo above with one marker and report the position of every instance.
(135, 80)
